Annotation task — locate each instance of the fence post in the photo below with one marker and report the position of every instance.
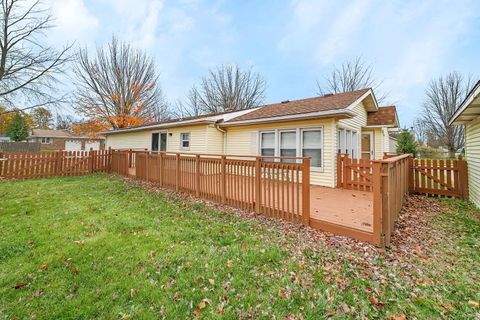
(1, 164)
(224, 179)
(411, 174)
(258, 185)
(160, 170)
(463, 178)
(197, 175)
(377, 203)
(306, 192)
(177, 171)
(109, 160)
(126, 169)
(147, 162)
(91, 159)
(58, 163)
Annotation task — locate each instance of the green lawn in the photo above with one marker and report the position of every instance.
(99, 247)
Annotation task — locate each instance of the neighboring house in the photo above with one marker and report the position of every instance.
(318, 127)
(4, 138)
(468, 114)
(52, 140)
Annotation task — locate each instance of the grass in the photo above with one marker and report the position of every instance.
(97, 247)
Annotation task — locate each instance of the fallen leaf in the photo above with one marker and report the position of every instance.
(211, 281)
(20, 285)
(44, 266)
(151, 254)
(90, 234)
(473, 304)
(133, 293)
(176, 296)
(202, 305)
(376, 303)
(74, 270)
(38, 293)
(229, 263)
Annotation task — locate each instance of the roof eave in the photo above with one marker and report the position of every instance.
(302, 116)
(465, 104)
(159, 126)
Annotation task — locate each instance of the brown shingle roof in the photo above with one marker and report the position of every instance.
(50, 133)
(385, 116)
(323, 103)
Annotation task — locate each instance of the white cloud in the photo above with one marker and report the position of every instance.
(73, 20)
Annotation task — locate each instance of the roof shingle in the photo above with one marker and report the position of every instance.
(323, 103)
(385, 116)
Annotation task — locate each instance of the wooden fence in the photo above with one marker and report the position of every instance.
(432, 177)
(50, 164)
(277, 189)
(390, 178)
(18, 146)
(439, 177)
(354, 174)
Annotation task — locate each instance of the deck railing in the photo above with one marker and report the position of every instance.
(278, 188)
(390, 180)
(50, 164)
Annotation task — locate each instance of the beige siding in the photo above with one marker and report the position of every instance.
(143, 139)
(472, 149)
(358, 121)
(243, 140)
(130, 140)
(215, 140)
(379, 143)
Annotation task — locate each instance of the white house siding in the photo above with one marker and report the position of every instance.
(215, 140)
(392, 145)
(130, 140)
(472, 152)
(243, 140)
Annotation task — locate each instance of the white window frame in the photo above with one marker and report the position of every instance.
(159, 133)
(182, 140)
(299, 142)
(354, 145)
(46, 140)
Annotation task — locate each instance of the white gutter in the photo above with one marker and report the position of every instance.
(159, 126)
(317, 114)
(473, 94)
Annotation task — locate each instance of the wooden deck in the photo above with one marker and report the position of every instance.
(350, 208)
(346, 208)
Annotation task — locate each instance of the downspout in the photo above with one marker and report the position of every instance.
(215, 125)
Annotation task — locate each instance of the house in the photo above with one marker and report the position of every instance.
(318, 127)
(53, 140)
(468, 114)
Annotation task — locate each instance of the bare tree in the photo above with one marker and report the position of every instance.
(64, 122)
(118, 87)
(420, 131)
(443, 96)
(227, 88)
(28, 67)
(350, 76)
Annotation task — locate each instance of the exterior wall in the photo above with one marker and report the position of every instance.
(392, 145)
(215, 140)
(243, 140)
(57, 144)
(472, 154)
(379, 143)
(143, 139)
(355, 123)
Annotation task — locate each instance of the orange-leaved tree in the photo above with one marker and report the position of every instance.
(118, 87)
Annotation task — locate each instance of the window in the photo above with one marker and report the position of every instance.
(185, 140)
(312, 146)
(159, 141)
(288, 145)
(155, 137)
(298, 142)
(267, 140)
(46, 140)
(348, 142)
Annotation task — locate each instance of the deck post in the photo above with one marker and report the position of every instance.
(377, 203)
(258, 185)
(197, 175)
(224, 179)
(339, 170)
(306, 192)
(177, 171)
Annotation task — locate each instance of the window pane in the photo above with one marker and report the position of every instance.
(312, 139)
(268, 152)
(154, 141)
(288, 153)
(315, 154)
(268, 140)
(288, 140)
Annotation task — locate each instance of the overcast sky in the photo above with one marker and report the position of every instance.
(291, 43)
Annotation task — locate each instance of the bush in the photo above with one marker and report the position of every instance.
(406, 143)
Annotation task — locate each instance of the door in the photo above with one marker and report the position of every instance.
(367, 145)
(73, 145)
(95, 145)
(159, 141)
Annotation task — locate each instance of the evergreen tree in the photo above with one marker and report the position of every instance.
(406, 143)
(18, 128)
